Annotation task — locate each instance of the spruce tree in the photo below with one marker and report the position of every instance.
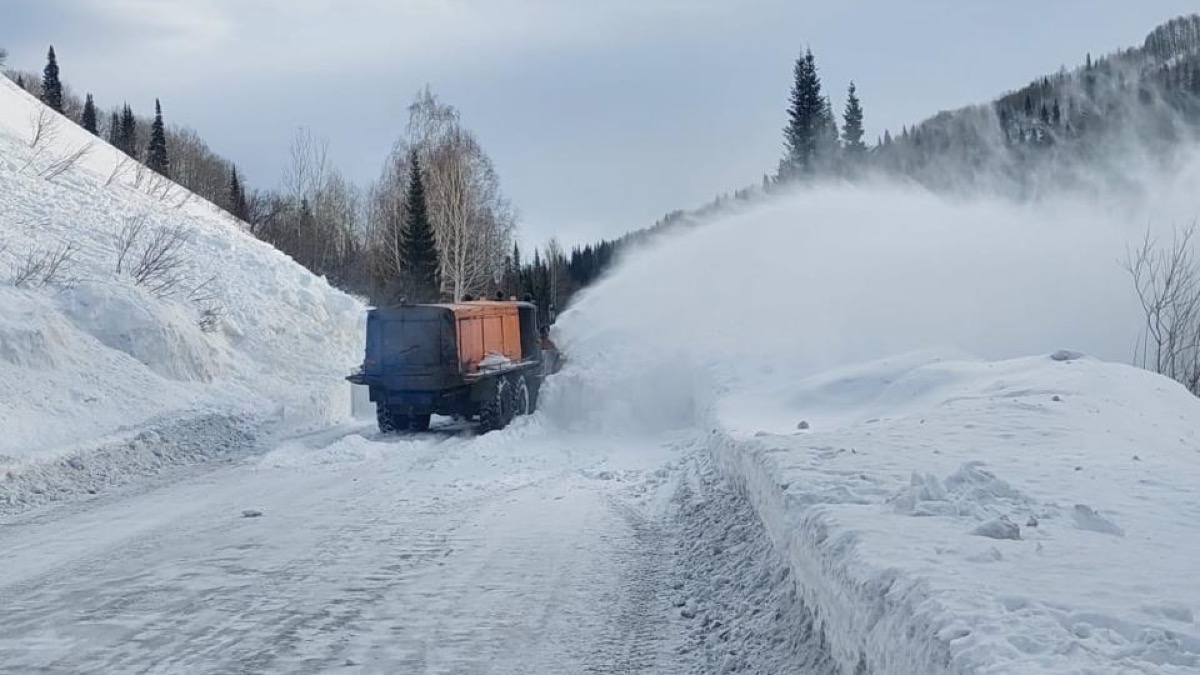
(852, 126)
(156, 153)
(114, 130)
(88, 119)
(52, 94)
(829, 143)
(127, 140)
(418, 245)
(807, 123)
(237, 197)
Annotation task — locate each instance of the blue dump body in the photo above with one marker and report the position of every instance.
(466, 360)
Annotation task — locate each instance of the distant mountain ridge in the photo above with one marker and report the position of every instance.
(1177, 37)
(1071, 128)
(1080, 129)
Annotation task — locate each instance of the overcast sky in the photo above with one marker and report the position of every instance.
(601, 115)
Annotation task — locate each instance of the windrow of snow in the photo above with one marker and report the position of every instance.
(1028, 516)
(89, 352)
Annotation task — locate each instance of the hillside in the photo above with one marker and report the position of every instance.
(1089, 128)
(1082, 127)
(197, 324)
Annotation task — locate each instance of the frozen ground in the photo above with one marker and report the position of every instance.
(518, 552)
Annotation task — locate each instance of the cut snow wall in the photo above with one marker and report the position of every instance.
(871, 617)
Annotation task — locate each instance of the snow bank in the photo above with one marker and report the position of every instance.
(89, 353)
(1027, 516)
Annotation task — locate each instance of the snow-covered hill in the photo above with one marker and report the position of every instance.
(957, 516)
(91, 360)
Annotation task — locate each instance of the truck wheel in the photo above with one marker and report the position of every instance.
(385, 419)
(521, 397)
(511, 400)
(491, 411)
(419, 422)
(534, 386)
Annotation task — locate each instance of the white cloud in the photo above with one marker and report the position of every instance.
(177, 24)
(287, 36)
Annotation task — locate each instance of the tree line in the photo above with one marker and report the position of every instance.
(435, 225)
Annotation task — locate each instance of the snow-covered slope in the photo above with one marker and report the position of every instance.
(88, 355)
(1027, 516)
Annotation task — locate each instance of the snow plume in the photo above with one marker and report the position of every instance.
(834, 275)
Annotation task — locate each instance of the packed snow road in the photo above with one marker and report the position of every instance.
(514, 552)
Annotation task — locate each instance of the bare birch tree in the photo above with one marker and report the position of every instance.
(1167, 283)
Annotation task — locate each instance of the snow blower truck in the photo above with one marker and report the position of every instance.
(482, 360)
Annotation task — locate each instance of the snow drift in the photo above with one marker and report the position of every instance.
(87, 353)
(942, 513)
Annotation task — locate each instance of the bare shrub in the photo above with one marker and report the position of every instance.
(1167, 282)
(154, 260)
(58, 167)
(122, 168)
(206, 296)
(43, 267)
(157, 260)
(43, 128)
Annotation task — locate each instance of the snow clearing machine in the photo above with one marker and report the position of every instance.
(482, 360)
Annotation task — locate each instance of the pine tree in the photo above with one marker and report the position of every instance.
(114, 131)
(51, 86)
(830, 135)
(156, 153)
(127, 140)
(807, 123)
(418, 245)
(88, 119)
(852, 126)
(237, 197)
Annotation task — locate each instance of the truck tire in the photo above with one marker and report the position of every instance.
(534, 384)
(419, 422)
(386, 420)
(521, 398)
(510, 400)
(491, 411)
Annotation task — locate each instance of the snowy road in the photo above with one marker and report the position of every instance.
(510, 553)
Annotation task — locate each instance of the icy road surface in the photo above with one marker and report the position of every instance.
(342, 552)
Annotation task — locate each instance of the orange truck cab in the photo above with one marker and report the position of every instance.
(479, 359)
